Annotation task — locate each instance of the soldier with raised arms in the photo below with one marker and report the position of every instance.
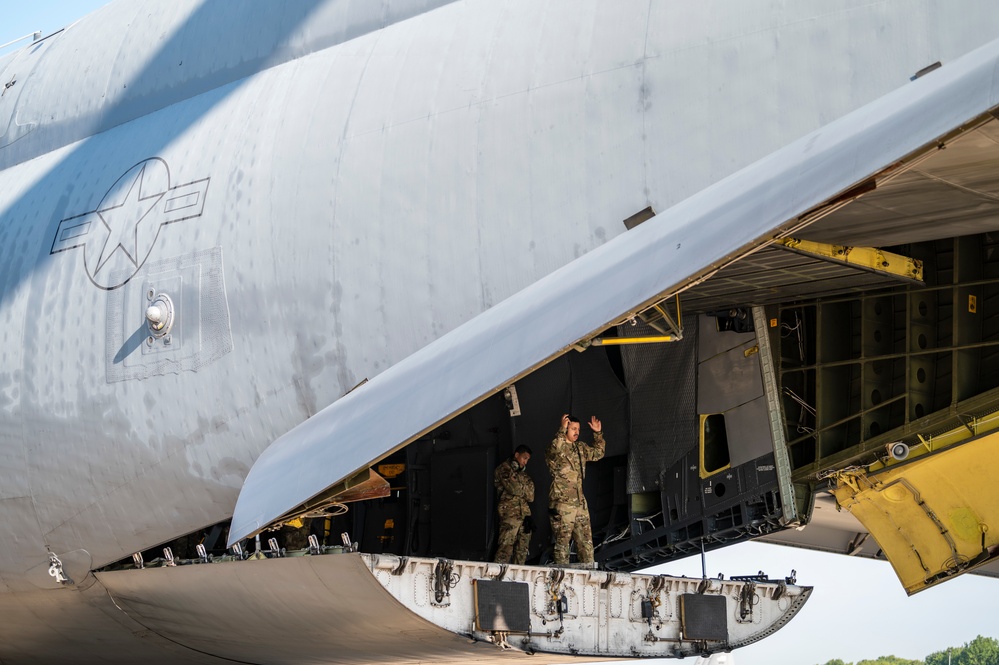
(570, 517)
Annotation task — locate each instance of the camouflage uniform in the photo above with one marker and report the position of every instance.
(567, 507)
(516, 491)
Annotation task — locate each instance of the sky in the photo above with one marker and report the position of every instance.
(858, 609)
(23, 18)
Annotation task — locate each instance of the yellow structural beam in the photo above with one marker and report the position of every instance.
(621, 341)
(934, 518)
(869, 258)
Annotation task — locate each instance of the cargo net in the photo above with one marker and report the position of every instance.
(662, 383)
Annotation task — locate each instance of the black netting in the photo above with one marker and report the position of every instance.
(662, 379)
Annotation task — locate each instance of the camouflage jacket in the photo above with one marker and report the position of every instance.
(516, 490)
(567, 465)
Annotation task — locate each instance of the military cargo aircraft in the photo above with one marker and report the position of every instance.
(282, 283)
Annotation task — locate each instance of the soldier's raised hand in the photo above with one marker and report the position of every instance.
(565, 421)
(595, 424)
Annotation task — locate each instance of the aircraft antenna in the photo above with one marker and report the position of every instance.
(35, 36)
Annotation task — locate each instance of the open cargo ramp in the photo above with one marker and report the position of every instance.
(364, 608)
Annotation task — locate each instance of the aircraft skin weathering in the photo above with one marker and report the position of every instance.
(251, 254)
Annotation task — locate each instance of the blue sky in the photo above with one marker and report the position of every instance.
(858, 609)
(23, 18)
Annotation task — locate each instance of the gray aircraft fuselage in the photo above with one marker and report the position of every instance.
(322, 189)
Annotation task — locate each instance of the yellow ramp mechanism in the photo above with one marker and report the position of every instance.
(863, 258)
(793, 268)
(934, 518)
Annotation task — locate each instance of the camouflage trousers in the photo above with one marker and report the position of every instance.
(571, 520)
(513, 540)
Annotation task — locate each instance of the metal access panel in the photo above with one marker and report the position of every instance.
(703, 617)
(502, 606)
(201, 332)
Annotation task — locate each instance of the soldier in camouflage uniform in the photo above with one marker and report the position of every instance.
(570, 516)
(516, 491)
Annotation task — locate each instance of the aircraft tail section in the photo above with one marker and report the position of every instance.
(677, 251)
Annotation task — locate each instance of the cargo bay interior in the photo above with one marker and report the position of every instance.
(860, 360)
(646, 398)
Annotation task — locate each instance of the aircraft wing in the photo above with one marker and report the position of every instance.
(678, 249)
